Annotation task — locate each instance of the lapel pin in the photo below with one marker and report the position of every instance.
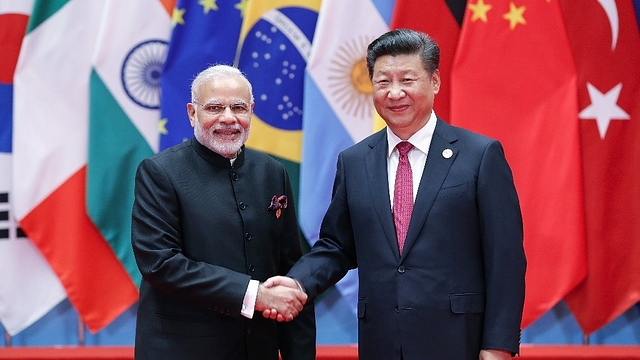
(447, 153)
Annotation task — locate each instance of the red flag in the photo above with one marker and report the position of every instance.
(514, 79)
(441, 20)
(609, 104)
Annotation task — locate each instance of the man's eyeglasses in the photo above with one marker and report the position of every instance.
(216, 109)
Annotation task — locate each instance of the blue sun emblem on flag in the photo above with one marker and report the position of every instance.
(274, 56)
(141, 72)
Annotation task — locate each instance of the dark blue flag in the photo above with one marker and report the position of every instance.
(203, 35)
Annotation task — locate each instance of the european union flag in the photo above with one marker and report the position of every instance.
(204, 33)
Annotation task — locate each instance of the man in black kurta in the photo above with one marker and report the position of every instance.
(207, 224)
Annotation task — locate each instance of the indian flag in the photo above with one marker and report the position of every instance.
(124, 112)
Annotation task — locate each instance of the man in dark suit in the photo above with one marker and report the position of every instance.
(446, 281)
(211, 219)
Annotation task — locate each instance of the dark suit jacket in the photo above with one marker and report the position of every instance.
(459, 285)
(200, 231)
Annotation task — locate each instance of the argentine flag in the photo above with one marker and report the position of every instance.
(338, 106)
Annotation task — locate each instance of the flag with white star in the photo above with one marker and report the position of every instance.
(514, 79)
(609, 117)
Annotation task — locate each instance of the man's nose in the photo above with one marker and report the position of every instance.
(227, 115)
(396, 90)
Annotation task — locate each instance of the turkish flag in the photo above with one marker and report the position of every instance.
(441, 20)
(514, 79)
(606, 46)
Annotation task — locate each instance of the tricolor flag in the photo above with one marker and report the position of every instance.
(124, 112)
(514, 79)
(204, 33)
(275, 43)
(28, 286)
(338, 102)
(442, 21)
(609, 117)
(51, 121)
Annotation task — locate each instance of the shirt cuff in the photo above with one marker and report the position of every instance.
(249, 301)
(300, 286)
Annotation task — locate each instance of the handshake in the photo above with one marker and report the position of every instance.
(280, 298)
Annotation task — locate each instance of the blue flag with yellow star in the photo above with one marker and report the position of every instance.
(205, 32)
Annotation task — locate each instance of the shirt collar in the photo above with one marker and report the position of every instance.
(420, 140)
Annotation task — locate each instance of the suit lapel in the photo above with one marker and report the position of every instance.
(435, 171)
(377, 177)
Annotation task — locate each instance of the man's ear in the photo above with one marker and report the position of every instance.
(435, 81)
(191, 112)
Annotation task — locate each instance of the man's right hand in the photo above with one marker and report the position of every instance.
(281, 300)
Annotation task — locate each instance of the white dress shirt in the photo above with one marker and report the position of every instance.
(421, 141)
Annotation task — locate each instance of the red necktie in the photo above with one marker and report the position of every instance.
(403, 194)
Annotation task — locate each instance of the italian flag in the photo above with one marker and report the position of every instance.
(80, 129)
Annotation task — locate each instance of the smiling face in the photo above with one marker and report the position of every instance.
(403, 92)
(221, 114)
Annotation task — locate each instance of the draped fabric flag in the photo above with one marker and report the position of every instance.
(124, 112)
(204, 33)
(51, 109)
(275, 42)
(338, 101)
(514, 79)
(442, 22)
(636, 5)
(609, 104)
(28, 286)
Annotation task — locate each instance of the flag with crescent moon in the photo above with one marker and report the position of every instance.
(609, 118)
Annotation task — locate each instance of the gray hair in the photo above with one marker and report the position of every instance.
(216, 72)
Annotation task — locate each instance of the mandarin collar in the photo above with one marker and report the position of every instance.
(215, 158)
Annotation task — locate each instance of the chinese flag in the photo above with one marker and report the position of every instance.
(606, 46)
(514, 79)
(441, 20)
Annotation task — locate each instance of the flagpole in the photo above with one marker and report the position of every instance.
(81, 335)
(7, 339)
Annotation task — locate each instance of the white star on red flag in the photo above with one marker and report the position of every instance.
(604, 108)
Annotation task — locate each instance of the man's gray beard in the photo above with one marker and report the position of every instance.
(226, 149)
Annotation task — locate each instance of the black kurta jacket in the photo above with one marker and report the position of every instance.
(201, 229)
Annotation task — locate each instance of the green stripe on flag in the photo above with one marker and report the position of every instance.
(116, 147)
(42, 10)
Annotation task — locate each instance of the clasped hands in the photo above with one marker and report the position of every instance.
(280, 298)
